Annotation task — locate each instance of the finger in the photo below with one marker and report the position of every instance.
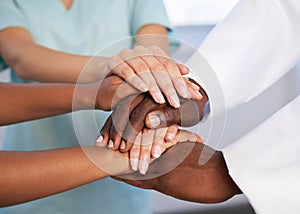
(145, 150)
(171, 132)
(158, 143)
(136, 123)
(122, 69)
(163, 80)
(103, 137)
(194, 90)
(183, 136)
(159, 52)
(175, 75)
(183, 69)
(190, 113)
(186, 136)
(99, 141)
(120, 118)
(134, 152)
(163, 117)
(143, 71)
(124, 90)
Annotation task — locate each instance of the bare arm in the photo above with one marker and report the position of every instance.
(21, 102)
(28, 176)
(153, 34)
(35, 62)
(154, 73)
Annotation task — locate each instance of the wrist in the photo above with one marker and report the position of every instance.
(230, 185)
(108, 161)
(84, 96)
(94, 70)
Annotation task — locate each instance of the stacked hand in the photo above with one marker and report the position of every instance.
(125, 129)
(143, 127)
(150, 69)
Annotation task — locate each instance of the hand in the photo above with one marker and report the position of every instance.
(208, 183)
(150, 69)
(143, 149)
(127, 121)
(135, 108)
(102, 95)
(189, 114)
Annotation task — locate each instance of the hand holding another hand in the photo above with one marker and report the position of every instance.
(178, 173)
(125, 129)
(150, 69)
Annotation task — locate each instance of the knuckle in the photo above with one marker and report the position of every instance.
(169, 89)
(141, 67)
(125, 52)
(170, 117)
(124, 71)
(156, 67)
(171, 66)
(139, 49)
(145, 151)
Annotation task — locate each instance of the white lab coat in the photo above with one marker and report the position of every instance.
(251, 49)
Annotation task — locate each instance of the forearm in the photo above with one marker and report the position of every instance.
(153, 34)
(35, 62)
(21, 102)
(27, 176)
(57, 66)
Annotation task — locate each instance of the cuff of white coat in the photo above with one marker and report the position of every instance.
(231, 154)
(206, 111)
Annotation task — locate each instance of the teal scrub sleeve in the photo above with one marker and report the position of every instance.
(152, 12)
(11, 16)
(149, 12)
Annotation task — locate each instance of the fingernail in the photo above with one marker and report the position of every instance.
(196, 87)
(110, 144)
(159, 97)
(186, 70)
(169, 137)
(154, 120)
(123, 145)
(99, 139)
(184, 92)
(157, 151)
(134, 164)
(143, 87)
(144, 165)
(201, 139)
(199, 94)
(98, 144)
(175, 101)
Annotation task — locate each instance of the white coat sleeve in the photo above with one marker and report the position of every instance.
(252, 48)
(265, 163)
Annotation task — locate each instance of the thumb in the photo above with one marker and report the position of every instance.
(163, 117)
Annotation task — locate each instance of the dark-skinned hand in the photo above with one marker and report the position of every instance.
(122, 130)
(177, 173)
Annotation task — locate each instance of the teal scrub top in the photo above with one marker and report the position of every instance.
(86, 28)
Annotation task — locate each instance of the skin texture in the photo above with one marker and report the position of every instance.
(44, 100)
(31, 175)
(206, 183)
(145, 73)
(27, 176)
(43, 173)
(126, 126)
